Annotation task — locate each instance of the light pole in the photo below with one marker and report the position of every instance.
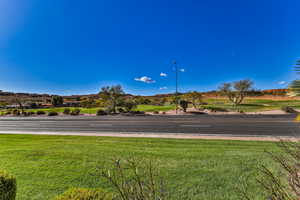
(176, 93)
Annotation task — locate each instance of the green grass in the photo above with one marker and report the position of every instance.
(252, 105)
(145, 108)
(45, 166)
(152, 108)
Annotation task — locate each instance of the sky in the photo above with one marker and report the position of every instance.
(76, 47)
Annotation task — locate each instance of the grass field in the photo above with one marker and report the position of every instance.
(45, 166)
(253, 105)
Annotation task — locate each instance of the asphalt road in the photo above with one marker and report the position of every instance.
(235, 125)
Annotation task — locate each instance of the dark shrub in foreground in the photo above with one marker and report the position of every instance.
(75, 112)
(288, 109)
(101, 112)
(85, 194)
(67, 111)
(156, 112)
(40, 112)
(52, 113)
(8, 113)
(8, 186)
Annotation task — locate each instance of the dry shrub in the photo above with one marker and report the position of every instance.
(283, 184)
(136, 180)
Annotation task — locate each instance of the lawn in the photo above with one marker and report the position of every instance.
(153, 108)
(45, 166)
(252, 105)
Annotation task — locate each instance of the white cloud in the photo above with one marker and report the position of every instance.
(145, 79)
(163, 88)
(281, 82)
(163, 74)
(182, 70)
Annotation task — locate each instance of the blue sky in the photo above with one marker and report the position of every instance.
(75, 46)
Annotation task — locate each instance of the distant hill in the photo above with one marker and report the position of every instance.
(46, 98)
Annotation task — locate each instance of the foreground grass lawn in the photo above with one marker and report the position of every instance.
(45, 166)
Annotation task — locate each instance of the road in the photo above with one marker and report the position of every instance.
(234, 125)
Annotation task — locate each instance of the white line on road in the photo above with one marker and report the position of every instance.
(195, 125)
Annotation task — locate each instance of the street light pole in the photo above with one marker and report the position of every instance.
(176, 93)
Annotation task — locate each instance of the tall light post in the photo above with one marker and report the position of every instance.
(176, 93)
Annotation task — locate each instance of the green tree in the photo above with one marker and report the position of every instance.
(129, 104)
(195, 98)
(236, 91)
(57, 100)
(294, 87)
(112, 95)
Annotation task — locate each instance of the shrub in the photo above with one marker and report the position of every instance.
(288, 109)
(129, 105)
(216, 109)
(121, 110)
(8, 186)
(184, 105)
(24, 113)
(67, 111)
(156, 112)
(31, 113)
(101, 112)
(138, 112)
(85, 194)
(40, 112)
(164, 113)
(8, 113)
(75, 112)
(16, 112)
(135, 179)
(52, 113)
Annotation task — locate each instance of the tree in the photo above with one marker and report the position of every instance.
(236, 91)
(195, 98)
(112, 95)
(184, 105)
(57, 100)
(129, 104)
(294, 87)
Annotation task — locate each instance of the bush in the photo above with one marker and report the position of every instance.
(85, 194)
(216, 109)
(67, 111)
(24, 113)
(75, 112)
(31, 113)
(16, 112)
(8, 113)
(8, 186)
(121, 110)
(52, 113)
(136, 179)
(288, 109)
(101, 112)
(156, 112)
(40, 112)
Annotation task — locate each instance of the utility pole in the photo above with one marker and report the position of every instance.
(176, 93)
